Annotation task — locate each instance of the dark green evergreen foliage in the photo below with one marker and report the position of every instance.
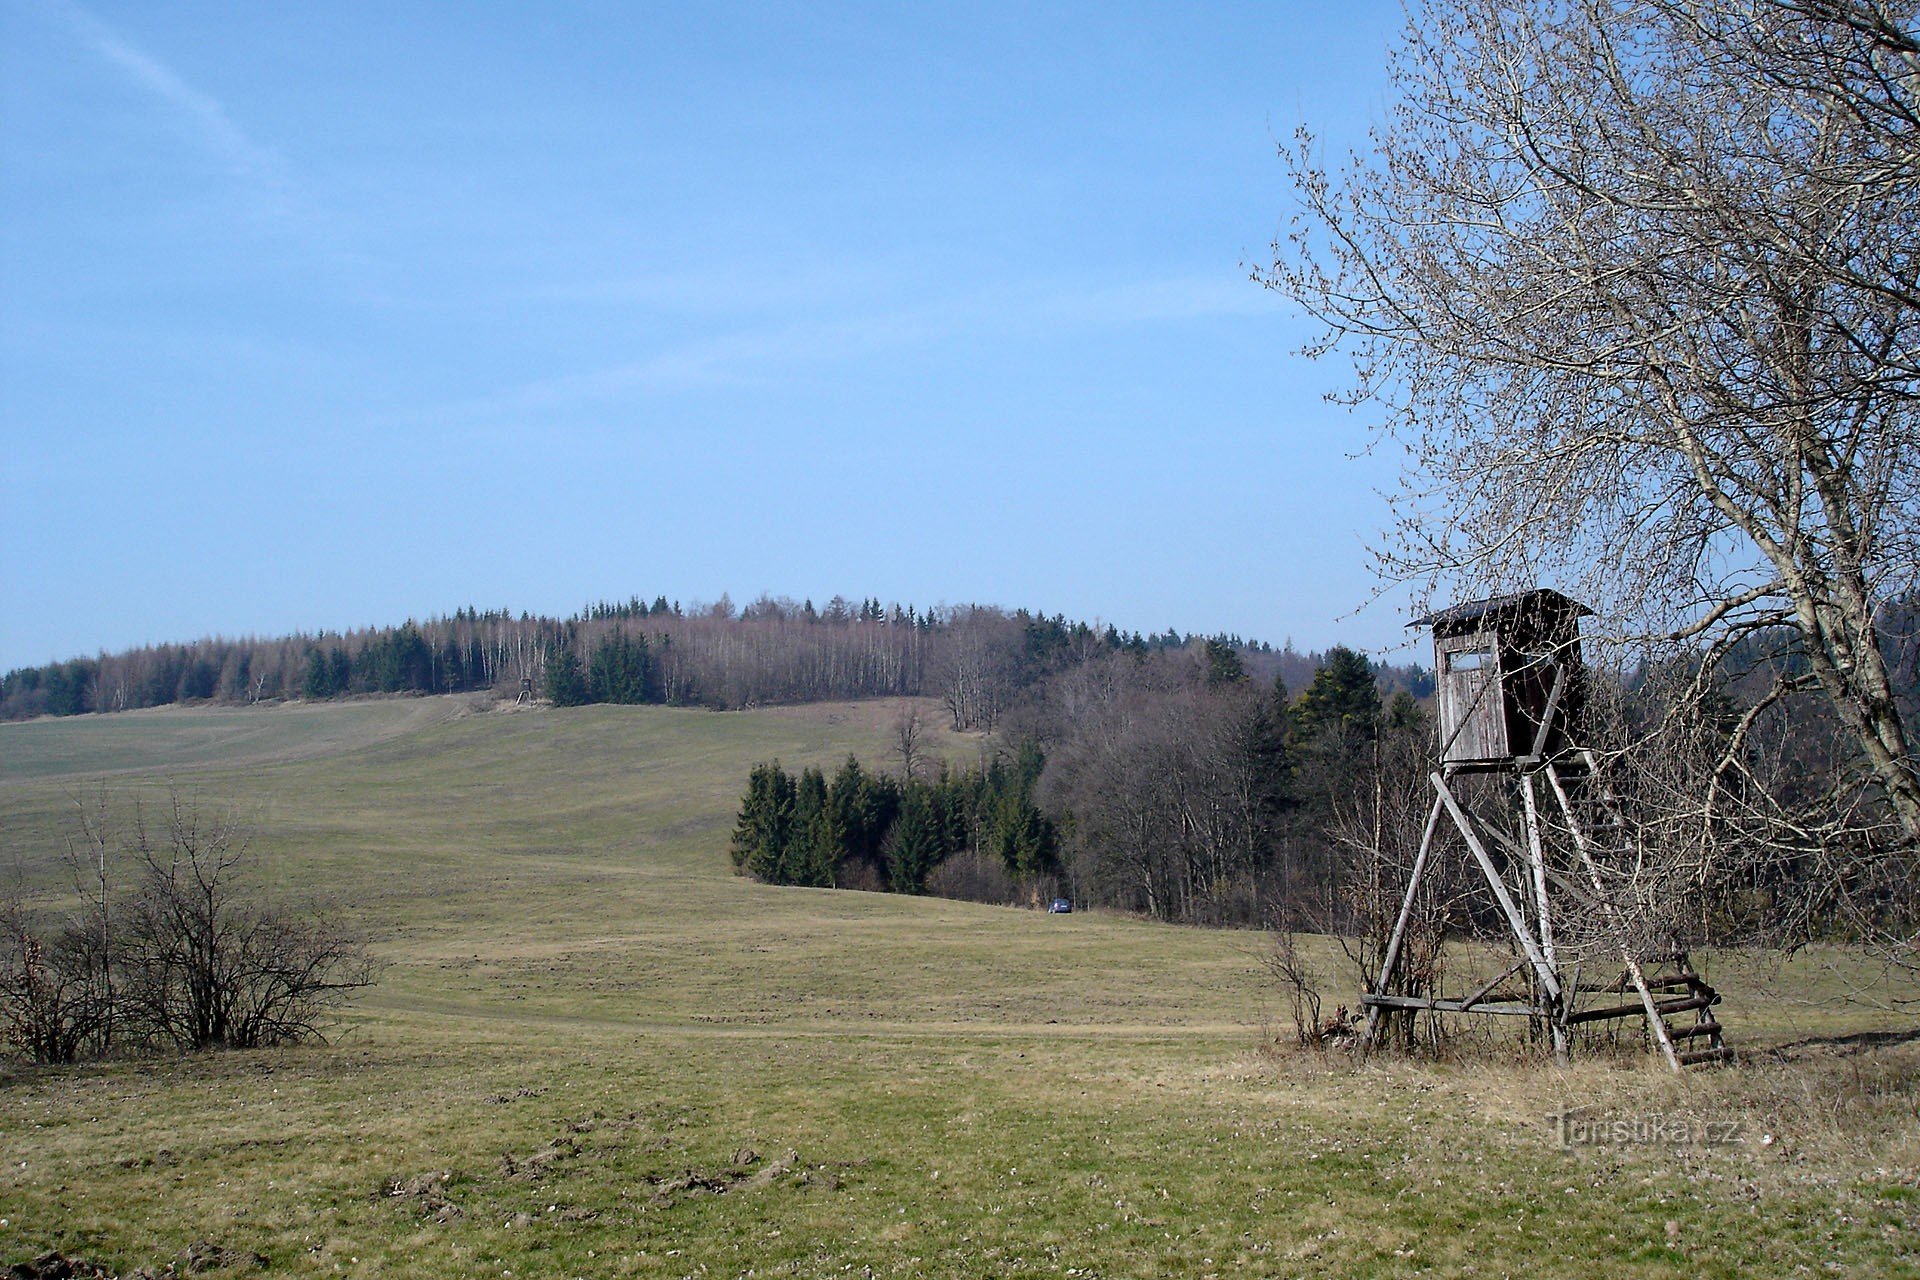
(1260, 742)
(1223, 664)
(987, 660)
(1028, 763)
(621, 670)
(864, 806)
(1022, 837)
(1405, 714)
(819, 832)
(1268, 731)
(566, 684)
(819, 839)
(913, 846)
(614, 609)
(329, 673)
(1343, 699)
(765, 827)
(1336, 725)
(160, 684)
(67, 686)
(397, 662)
(956, 797)
(199, 680)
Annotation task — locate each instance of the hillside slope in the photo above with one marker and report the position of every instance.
(179, 738)
(595, 1051)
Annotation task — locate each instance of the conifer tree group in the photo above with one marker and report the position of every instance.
(864, 827)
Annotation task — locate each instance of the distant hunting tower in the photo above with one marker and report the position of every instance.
(1510, 683)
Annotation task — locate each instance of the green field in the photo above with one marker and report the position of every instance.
(596, 1052)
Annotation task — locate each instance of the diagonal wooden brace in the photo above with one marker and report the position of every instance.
(1549, 980)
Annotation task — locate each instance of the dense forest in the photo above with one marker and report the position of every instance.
(977, 659)
(1167, 781)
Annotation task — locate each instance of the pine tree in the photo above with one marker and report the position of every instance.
(1342, 700)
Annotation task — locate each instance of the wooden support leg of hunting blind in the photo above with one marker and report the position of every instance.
(1391, 960)
(1656, 1024)
(1552, 1001)
(1543, 909)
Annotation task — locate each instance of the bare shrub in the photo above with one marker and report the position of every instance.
(974, 876)
(1301, 984)
(52, 1005)
(195, 957)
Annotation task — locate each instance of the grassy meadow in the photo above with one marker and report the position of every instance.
(596, 1052)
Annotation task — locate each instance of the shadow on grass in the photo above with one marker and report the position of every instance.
(1854, 1042)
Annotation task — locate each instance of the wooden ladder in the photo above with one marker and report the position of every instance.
(1669, 988)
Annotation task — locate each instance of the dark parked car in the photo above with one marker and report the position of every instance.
(1059, 907)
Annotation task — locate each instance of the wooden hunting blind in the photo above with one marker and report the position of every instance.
(1509, 682)
(1507, 672)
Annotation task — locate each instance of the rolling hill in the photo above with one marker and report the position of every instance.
(595, 1051)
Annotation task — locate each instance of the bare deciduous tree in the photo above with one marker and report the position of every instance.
(1634, 283)
(908, 743)
(1173, 791)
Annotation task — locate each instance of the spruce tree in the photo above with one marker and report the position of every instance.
(621, 670)
(763, 832)
(1023, 837)
(818, 836)
(1223, 664)
(1343, 699)
(319, 676)
(864, 808)
(566, 686)
(913, 846)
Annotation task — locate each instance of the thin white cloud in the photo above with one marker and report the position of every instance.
(750, 354)
(200, 115)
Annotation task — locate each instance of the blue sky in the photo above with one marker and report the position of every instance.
(315, 316)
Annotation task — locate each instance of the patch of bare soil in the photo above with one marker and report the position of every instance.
(535, 1167)
(200, 1258)
(57, 1266)
(426, 1192)
(747, 1173)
